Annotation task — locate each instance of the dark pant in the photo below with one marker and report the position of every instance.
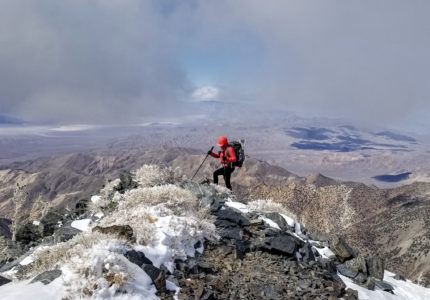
(226, 173)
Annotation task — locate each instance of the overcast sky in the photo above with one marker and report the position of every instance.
(124, 61)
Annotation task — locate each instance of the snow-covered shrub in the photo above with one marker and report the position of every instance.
(55, 256)
(152, 175)
(139, 208)
(107, 197)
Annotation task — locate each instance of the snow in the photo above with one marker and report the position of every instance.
(82, 225)
(297, 228)
(95, 199)
(26, 261)
(289, 220)
(325, 252)
(239, 206)
(37, 223)
(24, 290)
(402, 290)
(270, 223)
(173, 239)
(99, 215)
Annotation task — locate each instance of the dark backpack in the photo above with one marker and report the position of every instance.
(239, 151)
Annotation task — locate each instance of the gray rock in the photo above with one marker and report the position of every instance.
(318, 237)
(279, 220)
(205, 194)
(357, 264)
(282, 244)
(375, 267)
(351, 294)
(230, 233)
(345, 271)
(137, 258)
(370, 283)
(307, 253)
(305, 283)
(232, 215)
(4, 280)
(47, 277)
(157, 276)
(341, 249)
(386, 287)
(360, 278)
(327, 264)
(65, 233)
(399, 277)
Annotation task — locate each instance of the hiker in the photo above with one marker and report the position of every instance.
(228, 158)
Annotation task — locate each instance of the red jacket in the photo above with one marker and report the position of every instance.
(229, 155)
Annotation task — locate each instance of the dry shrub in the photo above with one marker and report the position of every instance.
(270, 206)
(153, 175)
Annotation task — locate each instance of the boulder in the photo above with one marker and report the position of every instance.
(307, 253)
(360, 278)
(47, 277)
(65, 233)
(350, 294)
(370, 283)
(4, 280)
(345, 271)
(357, 264)
(121, 231)
(341, 249)
(279, 220)
(232, 215)
(230, 233)
(386, 287)
(157, 276)
(137, 258)
(327, 264)
(205, 194)
(375, 266)
(281, 244)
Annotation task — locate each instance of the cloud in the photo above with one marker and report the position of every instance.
(206, 93)
(86, 61)
(115, 61)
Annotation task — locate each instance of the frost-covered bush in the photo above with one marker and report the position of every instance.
(55, 256)
(139, 207)
(107, 198)
(152, 175)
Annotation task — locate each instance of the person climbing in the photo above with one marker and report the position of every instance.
(228, 158)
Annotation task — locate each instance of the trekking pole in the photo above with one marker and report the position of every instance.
(201, 164)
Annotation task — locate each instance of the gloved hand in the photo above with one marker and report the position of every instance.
(209, 152)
